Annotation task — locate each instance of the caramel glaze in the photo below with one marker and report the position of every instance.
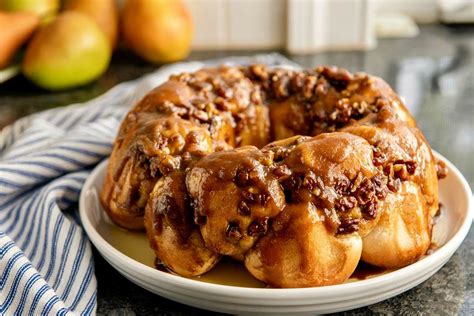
(192, 163)
(365, 271)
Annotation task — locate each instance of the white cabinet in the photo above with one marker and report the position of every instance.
(300, 26)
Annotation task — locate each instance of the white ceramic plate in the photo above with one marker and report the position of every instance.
(129, 253)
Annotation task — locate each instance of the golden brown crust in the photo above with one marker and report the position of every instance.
(153, 146)
(173, 236)
(404, 232)
(334, 172)
(234, 195)
(298, 251)
(322, 199)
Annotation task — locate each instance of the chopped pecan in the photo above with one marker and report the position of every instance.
(258, 227)
(348, 226)
(233, 231)
(441, 169)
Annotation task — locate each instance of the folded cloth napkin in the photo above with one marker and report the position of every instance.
(46, 263)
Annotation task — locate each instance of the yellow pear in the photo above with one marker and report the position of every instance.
(104, 12)
(69, 51)
(46, 9)
(15, 29)
(157, 30)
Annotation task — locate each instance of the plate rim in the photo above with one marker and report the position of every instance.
(290, 294)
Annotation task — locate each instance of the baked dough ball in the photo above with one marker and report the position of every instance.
(335, 172)
(403, 233)
(171, 230)
(154, 146)
(299, 252)
(234, 196)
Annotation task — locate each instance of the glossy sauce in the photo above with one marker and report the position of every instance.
(135, 245)
(226, 272)
(433, 247)
(366, 271)
(438, 214)
(378, 111)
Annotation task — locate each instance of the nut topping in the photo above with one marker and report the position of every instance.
(233, 231)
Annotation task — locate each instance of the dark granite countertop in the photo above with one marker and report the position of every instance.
(434, 72)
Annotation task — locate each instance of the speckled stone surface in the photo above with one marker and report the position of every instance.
(433, 72)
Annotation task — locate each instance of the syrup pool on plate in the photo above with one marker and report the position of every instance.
(226, 272)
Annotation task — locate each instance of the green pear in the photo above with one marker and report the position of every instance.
(44, 8)
(69, 51)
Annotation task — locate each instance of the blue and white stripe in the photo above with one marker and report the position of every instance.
(46, 264)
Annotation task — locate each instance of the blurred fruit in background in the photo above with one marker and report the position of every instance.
(157, 30)
(46, 9)
(69, 51)
(15, 29)
(104, 12)
(72, 40)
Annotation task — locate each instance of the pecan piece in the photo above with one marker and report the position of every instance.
(233, 231)
(441, 169)
(282, 171)
(258, 227)
(348, 226)
(244, 208)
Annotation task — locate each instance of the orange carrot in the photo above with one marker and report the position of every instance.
(15, 29)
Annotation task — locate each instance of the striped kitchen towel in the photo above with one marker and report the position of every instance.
(46, 264)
